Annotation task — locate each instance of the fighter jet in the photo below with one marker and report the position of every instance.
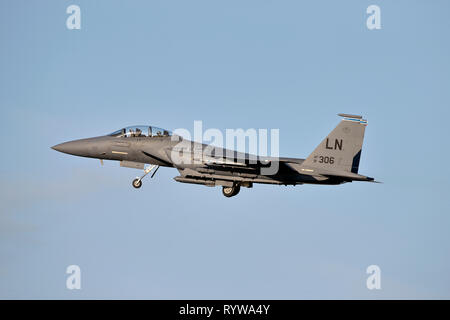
(334, 161)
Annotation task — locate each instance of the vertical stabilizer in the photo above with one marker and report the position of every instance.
(341, 149)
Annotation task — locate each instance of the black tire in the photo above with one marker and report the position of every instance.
(236, 190)
(230, 191)
(137, 183)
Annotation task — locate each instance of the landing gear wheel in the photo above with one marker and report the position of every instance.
(137, 183)
(230, 191)
(236, 190)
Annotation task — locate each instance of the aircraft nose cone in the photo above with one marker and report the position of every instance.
(71, 147)
(58, 147)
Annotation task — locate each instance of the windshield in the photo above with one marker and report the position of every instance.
(141, 131)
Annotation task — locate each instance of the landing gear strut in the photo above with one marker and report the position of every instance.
(137, 183)
(231, 191)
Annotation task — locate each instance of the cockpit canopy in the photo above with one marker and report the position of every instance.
(141, 131)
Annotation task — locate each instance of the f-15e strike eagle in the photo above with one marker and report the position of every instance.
(334, 161)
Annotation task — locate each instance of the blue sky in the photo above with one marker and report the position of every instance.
(289, 65)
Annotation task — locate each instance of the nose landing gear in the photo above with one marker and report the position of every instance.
(137, 183)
